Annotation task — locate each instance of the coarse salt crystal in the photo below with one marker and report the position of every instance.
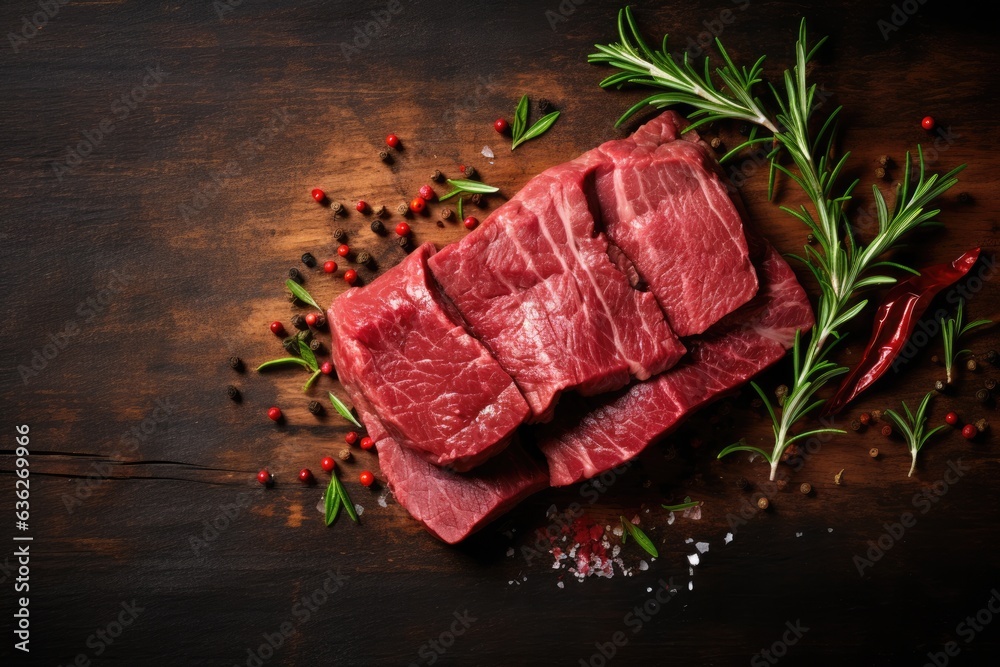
(690, 585)
(359, 509)
(617, 531)
(728, 538)
(510, 552)
(643, 565)
(829, 530)
(689, 540)
(381, 501)
(701, 546)
(670, 519)
(798, 534)
(690, 571)
(649, 589)
(560, 584)
(488, 152)
(616, 550)
(693, 559)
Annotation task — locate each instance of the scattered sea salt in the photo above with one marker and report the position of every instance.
(670, 519)
(693, 559)
(616, 550)
(728, 538)
(690, 585)
(381, 501)
(510, 552)
(693, 513)
(829, 530)
(488, 152)
(359, 509)
(560, 584)
(702, 547)
(689, 540)
(643, 566)
(798, 534)
(649, 589)
(690, 571)
(617, 531)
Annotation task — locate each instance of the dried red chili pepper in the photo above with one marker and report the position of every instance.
(895, 321)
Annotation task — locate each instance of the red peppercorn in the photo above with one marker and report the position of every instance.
(951, 419)
(471, 222)
(500, 125)
(274, 414)
(330, 267)
(887, 430)
(418, 204)
(927, 123)
(318, 195)
(865, 418)
(351, 437)
(402, 229)
(305, 476)
(277, 328)
(312, 319)
(367, 443)
(392, 141)
(969, 431)
(426, 193)
(328, 464)
(366, 478)
(362, 206)
(264, 477)
(351, 276)
(326, 368)
(343, 250)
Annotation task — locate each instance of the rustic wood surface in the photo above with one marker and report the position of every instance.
(162, 251)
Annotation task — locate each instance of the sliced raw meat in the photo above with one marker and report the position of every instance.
(535, 283)
(436, 389)
(453, 505)
(591, 435)
(663, 204)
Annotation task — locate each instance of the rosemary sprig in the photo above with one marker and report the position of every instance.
(640, 537)
(343, 410)
(912, 427)
(520, 132)
(842, 266)
(463, 186)
(951, 330)
(687, 504)
(336, 497)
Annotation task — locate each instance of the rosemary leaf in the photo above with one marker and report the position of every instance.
(284, 361)
(464, 186)
(301, 294)
(640, 537)
(343, 410)
(520, 118)
(331, 500)
(540, 127)
(687, 504)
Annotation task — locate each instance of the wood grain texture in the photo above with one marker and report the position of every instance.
(136, 448)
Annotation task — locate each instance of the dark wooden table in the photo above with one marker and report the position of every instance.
(157, 160)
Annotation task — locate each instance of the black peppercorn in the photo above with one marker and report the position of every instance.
(763, 503)
(805, 488)
(476, 199)
(971, 364)
(437, 176)
(320, 322)
(873, 452)
(990, 356)
(810, 239)
(377, 226)
(403, 209)
(964, 198)
(291, 345)
(308, 259)
(294, 274)
(879, 172)
(315, 407)
(384, 156)
(439, 223)
(855, 425)
(744, 129)
(339, 234)
(543, 105)
(470, 171)
(742, 483)
(782, 484)
(883, 160)
(935, 359)
(716, 143)
(781, 391)
(379, 211)
(982, 425)
(315, 345)
(990, 384)
(345, 455)
(939, 385)
(337, 208)
(403, 242)
(236, 363)
(446, 213)
(233, 393)
(364, 258)
(299, 322)
(983, 395)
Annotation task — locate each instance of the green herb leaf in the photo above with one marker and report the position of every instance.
(307, 355)
(343, 410)
(540, 127)
(461, 216)
(520, 119)
(301, 294)
(464, 186)
(311, 380)
(331, 500)
(688, 503)
(347, 502)
(284, 361)
(640, 537)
